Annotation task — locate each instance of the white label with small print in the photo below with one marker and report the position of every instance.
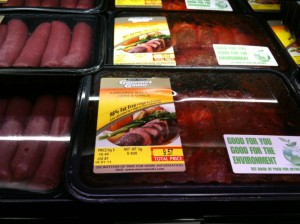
(217, 5)
(263, 154)
(244, 55)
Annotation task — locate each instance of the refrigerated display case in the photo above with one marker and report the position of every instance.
(208, 184)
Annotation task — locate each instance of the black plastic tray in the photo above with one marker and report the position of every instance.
(100, 6)
(98, 25)
(84, 185)
(256, 27)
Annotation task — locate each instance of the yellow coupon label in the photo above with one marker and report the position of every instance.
(287, 40)
(257, 6)
(137, 127)
(3, 1)
(143, 41)
(138, 3)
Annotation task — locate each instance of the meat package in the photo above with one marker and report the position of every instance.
(61, 43)
(35, 132)
(208, 105)
(178, 5)
(195, 36)
(74, 6)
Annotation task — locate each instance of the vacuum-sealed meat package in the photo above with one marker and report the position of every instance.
(170, 133)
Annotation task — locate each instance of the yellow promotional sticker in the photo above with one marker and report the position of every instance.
(143, 41)
(258, 5)
(287, 39)
(139, 3)
(136, 127)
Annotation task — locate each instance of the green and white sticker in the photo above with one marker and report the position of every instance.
(244, 55)
(217, 5)
(263, 154)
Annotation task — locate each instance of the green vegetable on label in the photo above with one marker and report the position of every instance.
(159, 36)
(161, 115)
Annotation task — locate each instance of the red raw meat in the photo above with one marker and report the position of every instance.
(13, 3)
(210, 165)
(207, 35)
(184, 35)
(3, 33)
(35, 46)
(79, 54)
(50, 3)
(174, 5)
(16, 37)
(33, 3)
(30, 153)
(85, 4)
(224, 34)
(58, 44)
(198, 128)
(49, 173)
(68, 3)
(14, 122)
(194, 56)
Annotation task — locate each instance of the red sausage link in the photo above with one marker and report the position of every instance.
(85, 4)
(3, 33)
(58, 44)
(30, 153)
(16, 37)
(13, 3)
(14, 122)
(49, 173)
(35, 46)
(33, 3)
(80, 50)
(68, 4)
(50, 3)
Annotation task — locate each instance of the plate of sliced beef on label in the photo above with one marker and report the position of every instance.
(157, 41)
(156, 125)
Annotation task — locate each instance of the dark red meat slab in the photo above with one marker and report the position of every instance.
(58, 44)
(35, 46)
(49, 173)
(30, 153)
(210, 166)
(16, 37)
(14, 122)
(79, 53)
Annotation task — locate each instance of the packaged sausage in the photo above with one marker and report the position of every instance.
(39, 43)
(55, 6)
(35, 129)
(172, 132)
(194, 40)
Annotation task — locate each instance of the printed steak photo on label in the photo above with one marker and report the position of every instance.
(150, 42)
(151, 126)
